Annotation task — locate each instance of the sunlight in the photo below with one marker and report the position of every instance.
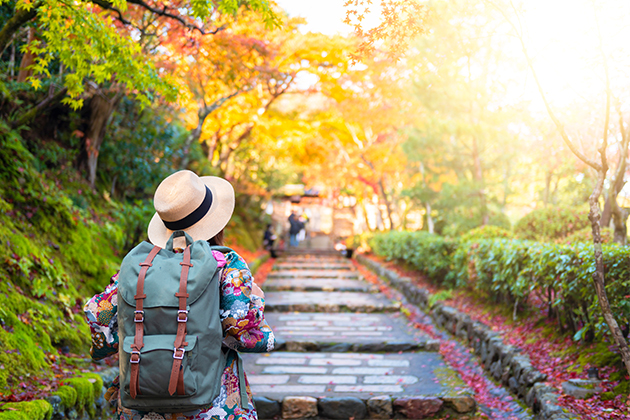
(563, 42)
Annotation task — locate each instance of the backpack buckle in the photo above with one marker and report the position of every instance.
(175, 350)
(137, 357)
(139, 318)
(182, 312)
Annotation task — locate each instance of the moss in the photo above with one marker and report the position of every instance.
(622, 389)
(450, 380)
(84, 389)
(96, 381)
(67, 394)
(88, 388)
(27, 410)
(50, 262)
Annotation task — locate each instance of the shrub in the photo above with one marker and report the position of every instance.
(551, 223)
(487, 232)
(586, 236)
(557, 277)
(426, 252)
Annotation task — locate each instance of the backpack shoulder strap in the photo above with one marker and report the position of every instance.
(223, 249)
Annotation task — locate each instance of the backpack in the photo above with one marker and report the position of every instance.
(170, 354)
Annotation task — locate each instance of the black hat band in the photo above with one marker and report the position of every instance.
(193, 217)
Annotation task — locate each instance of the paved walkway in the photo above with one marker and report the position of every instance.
(345, 350)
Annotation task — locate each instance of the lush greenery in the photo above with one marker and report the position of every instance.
(55, 253)
(551, 277)
(552, 223)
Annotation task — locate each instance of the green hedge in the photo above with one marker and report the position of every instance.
(556, 278)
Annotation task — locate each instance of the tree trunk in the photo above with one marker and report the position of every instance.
(430, 224)
(27, 60)
(195, 134)
(478, 176)
(20, 17)
(388, 204)
(599, 274)
(547, 193)
(607, 212)
(101, 110)
(192, 137)
(620, 218)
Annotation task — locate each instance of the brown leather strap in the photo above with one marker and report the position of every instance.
(180, 383)
(138, 317)
(182, 317)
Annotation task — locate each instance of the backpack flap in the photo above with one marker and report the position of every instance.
(162, 279)
(156, 358)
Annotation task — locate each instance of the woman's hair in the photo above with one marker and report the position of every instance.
(217, 239)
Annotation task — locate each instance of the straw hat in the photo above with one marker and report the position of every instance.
(201, 206)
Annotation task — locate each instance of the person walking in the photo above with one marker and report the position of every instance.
(294, 228)
(179, 319)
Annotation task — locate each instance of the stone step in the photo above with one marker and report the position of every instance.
(313, 285)
(313, 260)
(322, 274)
(311, 266)
(306, 257)
(415, 385)
(344, 332)
(328, 302)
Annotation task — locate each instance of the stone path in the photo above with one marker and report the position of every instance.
(345, 350)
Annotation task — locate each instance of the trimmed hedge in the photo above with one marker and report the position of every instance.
(556, 278)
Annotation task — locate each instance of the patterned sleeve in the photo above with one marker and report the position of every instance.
(242, 316)
(100, 312)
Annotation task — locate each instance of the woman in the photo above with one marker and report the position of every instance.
(201, 207)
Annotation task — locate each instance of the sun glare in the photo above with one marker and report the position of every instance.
(563, 39)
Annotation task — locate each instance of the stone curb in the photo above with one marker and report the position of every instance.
(98, 406)
(381, 407)
(69, 401)
(505, 363)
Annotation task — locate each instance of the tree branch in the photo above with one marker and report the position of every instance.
(552, 115)
(32, 113)
(164, 12)
(158, 12)
(20, 17)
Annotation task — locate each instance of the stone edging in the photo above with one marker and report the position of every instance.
(75, 400)
(381, 407)
(504, 362)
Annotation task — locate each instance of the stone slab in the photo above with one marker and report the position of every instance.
(319, 285)
(311, 266)
(327, 302)
(419, 374)
(352, 332)
(321, 274)
(309, 259)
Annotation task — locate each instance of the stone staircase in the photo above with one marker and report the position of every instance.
(345, 350)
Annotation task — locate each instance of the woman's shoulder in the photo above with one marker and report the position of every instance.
(234, 260)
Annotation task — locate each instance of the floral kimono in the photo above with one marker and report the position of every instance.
(244, 330)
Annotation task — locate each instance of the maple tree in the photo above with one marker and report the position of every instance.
(461, 145)
(357, 137)
(597, 160)
(400, 22)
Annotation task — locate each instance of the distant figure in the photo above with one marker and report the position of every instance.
(294, 228)
(268, 239)
(301, 236)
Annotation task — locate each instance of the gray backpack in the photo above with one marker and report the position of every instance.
(170, 334)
